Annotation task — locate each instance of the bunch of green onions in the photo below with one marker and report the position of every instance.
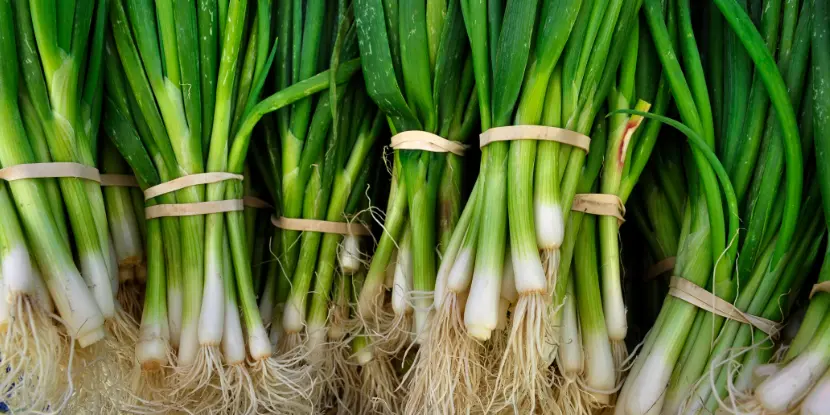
(57, 252)
(543, 74)
(800, 380)
(685, 341)
(417, 69)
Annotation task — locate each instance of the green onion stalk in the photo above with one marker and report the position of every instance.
(657, 212)
(577, 269)
(529, 184)
(125, 215)
(417, 69)
(801, 379)
(667, 357)
(266, 157)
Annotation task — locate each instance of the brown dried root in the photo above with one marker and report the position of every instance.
(131, 298)
(285, 384)
(379, 388)
(449, 367)
(341, 382)
(523, 379)
(32, 376)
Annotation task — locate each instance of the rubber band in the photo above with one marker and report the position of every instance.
(426, 141)
(119, 180)
(193, 209)
(821, 287)
(49, 171)
(323, 226)
(188, 181)
(660, 268)
(256, 203)
(701, 298)
(599, 204)
(535, 132)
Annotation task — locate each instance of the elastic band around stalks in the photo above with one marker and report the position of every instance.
(193, 209)
(256, 203)
(118, 180)
(426, 141)
(599, 204)
(822, 287)
(701, 298)
(535, 132)
(49, 171)
(660, 268)
(323, 226)
(188, 181)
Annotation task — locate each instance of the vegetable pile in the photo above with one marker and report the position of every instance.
(254, 206)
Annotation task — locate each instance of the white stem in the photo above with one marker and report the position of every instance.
(113, 271)
(188, 343)
(126, 239)
(364, 356)
(316, 338)
(402, 285)
(349, 255)
(461, 273)
(233, 340)
(649, 386)
(782, 390)
(18, 272)
(600, 373)
(174, 314)
(550, 227)
(259, 345)
(508, 280)
(570, 348)
(389, 281)
(266, 304)
(151, 348)
(817, 401)
(529, 274)
(100, 283)
(482, 307)
(293, 317)
(5, 304)
(212, 315)
(42, 297)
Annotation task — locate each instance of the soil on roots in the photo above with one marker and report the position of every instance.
(33, 373)
(449, 367)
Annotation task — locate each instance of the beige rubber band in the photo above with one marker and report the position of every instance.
(193, 209)
(822, 287)
(49, 170)
(256, 203)
(189, 180)
(535, 132)
(599, 204)
(703, 299)
(119, 180)
(312, 225)
(660, 268)
(422, 140)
